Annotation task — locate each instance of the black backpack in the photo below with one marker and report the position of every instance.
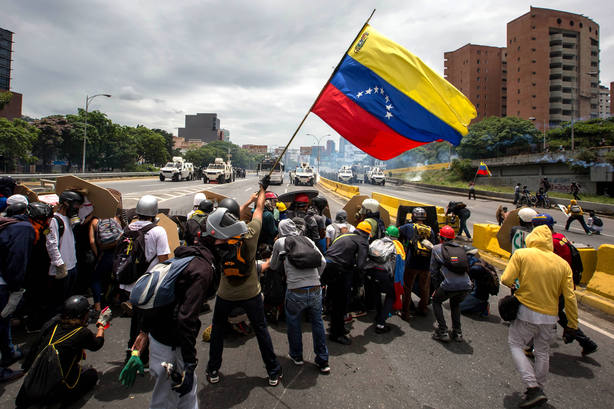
(576, 263)
(129, 261)
(46, 373)
(493, 277)
(301, 253)
(233, 260)
(454, 258)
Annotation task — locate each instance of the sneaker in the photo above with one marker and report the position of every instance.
(7, 375)
(213, 376)
(297, 361)
(589, 349)
(126, 308)
(275, 378)
(382, 329)
(533, 397)
(457, 336)
(442, 336)
(343, 340)
(324, 367)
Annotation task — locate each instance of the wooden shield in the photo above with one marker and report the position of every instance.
(214, 197)
(503, 237)
(105, 204)
(27, 192)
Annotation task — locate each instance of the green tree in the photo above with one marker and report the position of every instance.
(494, 136)
(16, 139)
(5, 98)
(150, 145)
(169, 142)
(99, 129)
(53, 130)
(587, 134)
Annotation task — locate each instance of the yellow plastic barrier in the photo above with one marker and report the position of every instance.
(589, 262)
(340, 188)
(485, 238)
(602, 281)
(392, 203)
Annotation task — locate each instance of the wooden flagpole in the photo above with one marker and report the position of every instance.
(320, 94)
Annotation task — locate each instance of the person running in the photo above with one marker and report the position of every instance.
(236, 243)
(347, 253)
(542, 277)
(574, 212)
(303, 293)
(563, 248)
(450, 272)
(574, 189)
(419, 240)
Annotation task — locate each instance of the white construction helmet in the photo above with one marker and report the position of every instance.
(199, 197)
(370, 205)
(526, 214)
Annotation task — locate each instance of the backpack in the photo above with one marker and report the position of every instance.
(301, 253)
(156, 288)
(337, 227)
(381, 251)
(455, 258)
(576, 263)
(232, 259)
(597, 222)
(6, 221)
(493, 277)
(194, 227)
(421, 232)
(46, 372)
(575, 209)
(108, 233)
(61, 226)
(129, 261)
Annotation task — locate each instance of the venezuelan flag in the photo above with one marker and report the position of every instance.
(483, 170)
(385, 100)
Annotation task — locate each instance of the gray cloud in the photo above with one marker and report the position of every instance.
(259, 65)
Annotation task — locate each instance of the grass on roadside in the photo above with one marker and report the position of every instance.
(444, 177)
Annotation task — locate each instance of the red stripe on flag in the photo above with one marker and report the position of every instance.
(360, 127)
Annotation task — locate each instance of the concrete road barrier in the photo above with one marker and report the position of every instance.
(485, 238)
(600, 288)
(392, 203)
(344, 190)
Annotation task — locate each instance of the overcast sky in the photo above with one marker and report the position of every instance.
(258, 64)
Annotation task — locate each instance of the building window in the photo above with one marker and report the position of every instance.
(571, 22)
(479, 52)
(533, 108)
(533, 38)
(518, 91)
(518, 48)
(533, 72)
(558, 20)
(478, 70)
(518, 69)
(532, 27)
(533, 61)
(581, 25)
(478, 60)
(590, 29)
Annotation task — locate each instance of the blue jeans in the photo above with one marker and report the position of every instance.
(7, 349)
(310, 300)
(471, 304)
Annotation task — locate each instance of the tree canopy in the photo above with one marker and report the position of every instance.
(16, 140)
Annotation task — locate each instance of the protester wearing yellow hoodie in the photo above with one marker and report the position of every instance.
(543, 277)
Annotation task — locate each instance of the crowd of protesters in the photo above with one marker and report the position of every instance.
(265, 259)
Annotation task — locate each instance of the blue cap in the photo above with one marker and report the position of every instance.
(543, 218)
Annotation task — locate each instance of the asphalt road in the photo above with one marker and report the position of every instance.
(402, 369)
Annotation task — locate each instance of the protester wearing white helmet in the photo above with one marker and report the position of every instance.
(16, 204)
(369, 212)
(519, 233)
(198, 197)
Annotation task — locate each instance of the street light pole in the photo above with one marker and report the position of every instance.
(318, 141)
(87, 104)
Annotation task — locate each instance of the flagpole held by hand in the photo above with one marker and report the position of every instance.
(321, 91)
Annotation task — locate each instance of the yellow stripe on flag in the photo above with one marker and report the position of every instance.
(412, 77)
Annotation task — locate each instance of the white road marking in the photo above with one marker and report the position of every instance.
(595, 328)
(491, 222)
(248, 189)
(286, 190)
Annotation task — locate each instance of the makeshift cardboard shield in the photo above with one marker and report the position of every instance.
(352, 207)
(51, 199)
(503, 237)
(289, 196)
(105, 204)
(404, 213)
(563, 209)
(214, 197)
(27, 192)
(171, 231)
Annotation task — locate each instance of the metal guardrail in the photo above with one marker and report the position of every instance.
(99, 175)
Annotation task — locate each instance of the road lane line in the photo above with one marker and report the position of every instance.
(595, 328)
(248, 189)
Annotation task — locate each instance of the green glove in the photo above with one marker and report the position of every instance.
(132, 367)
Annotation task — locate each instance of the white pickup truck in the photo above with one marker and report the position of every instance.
(218, 172)
(376, 176)
(177, 170)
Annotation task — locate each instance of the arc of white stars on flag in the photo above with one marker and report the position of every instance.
(378, 90)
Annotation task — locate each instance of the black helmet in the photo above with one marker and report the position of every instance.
(70, 197)
(418, 214)
(319, 202)
(7, 186)
(205, 206)
(39, 211)
(231, 205)
(75, 307)
(16, 209)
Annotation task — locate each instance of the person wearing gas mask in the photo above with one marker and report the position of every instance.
(61, 248)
